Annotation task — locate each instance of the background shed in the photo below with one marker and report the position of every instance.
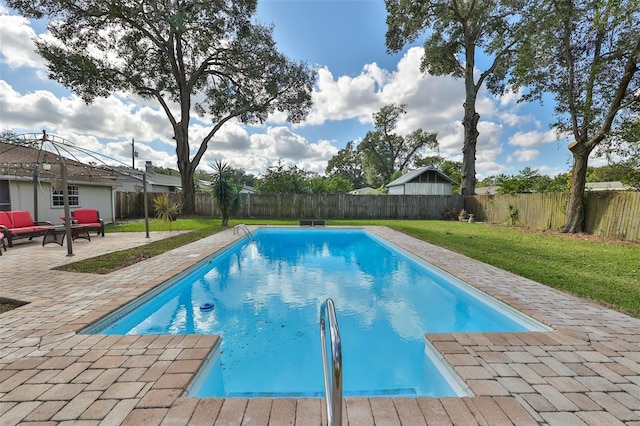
(423, 181)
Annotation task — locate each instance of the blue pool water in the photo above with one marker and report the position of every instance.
(266, 296)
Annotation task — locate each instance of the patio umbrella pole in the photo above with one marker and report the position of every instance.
(146, 204)
(67, 215)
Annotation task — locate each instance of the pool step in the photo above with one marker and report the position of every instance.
(367, 393)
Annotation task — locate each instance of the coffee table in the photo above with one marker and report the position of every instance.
(56, 233)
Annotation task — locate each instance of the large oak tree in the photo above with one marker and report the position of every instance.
(384, 153)
(347, 164)
(456, 30)
(586, 54)
(192, 56)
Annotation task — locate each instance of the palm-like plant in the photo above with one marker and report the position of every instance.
(165, 209)
(225, 191)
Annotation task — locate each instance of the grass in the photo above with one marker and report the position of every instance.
(7, 304)
(602, 271)
(198, 228)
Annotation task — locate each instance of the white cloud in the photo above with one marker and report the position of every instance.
(551, 171)
(509, 98)
(532, 138)
(17, 48)
(344, 98)
(524, 155)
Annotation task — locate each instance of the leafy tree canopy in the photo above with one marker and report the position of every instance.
(623, 152)
(329, 185)
(384, 153)
(165, 171)
(585, 53)
(347, 164)
(282, 180)
(529, 180)
(190, 56)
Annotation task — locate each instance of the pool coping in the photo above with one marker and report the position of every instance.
(586, 371)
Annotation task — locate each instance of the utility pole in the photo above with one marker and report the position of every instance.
(134, 154)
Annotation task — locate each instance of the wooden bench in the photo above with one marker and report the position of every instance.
(311, 222)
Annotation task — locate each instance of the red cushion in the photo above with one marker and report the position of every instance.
(26, 230)
(5, 220)
(85, 215)
(21, 218)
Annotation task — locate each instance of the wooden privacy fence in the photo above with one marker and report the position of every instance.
(608, 214)
(346, 206)
(338, 206)
(538, 211)
(611, 214)
(130, 205)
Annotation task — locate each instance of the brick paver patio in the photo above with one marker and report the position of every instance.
(584, 372)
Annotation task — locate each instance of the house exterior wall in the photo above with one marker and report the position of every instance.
(396, 190)
(421, 189)
(21, 195)
(99, 197)
(128, 184)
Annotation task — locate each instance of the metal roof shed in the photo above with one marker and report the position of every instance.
(423, 181)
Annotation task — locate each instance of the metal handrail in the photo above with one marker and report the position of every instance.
(333, 383)
(245, 229)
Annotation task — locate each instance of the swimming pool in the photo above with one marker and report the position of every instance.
(266, 296)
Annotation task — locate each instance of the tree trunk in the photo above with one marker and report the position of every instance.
(187, 170)
(575, 209)
(470, 123)
(188, 191)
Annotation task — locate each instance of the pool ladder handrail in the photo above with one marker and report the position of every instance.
(245, 229)
(333, 383)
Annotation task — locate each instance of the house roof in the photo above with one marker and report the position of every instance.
(152, 177)
(18, 162)
(607, 186)
(408, 177)
(367, 190)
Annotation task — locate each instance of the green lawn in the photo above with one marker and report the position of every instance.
(606, 272)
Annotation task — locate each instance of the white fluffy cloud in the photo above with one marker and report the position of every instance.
(532, 138)
(524, 155)
(18, 49)
(346, 97)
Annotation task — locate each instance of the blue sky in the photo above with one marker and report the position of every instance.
(345, 41)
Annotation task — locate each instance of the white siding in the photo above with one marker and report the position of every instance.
(421, 189)
(100, 198)
(396, 190)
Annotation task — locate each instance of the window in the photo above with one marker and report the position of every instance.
(57, 196)
(5, 200)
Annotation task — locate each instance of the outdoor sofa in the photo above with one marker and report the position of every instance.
(19, 224)
(89, 219)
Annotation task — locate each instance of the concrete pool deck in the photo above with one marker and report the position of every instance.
(584, 372)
